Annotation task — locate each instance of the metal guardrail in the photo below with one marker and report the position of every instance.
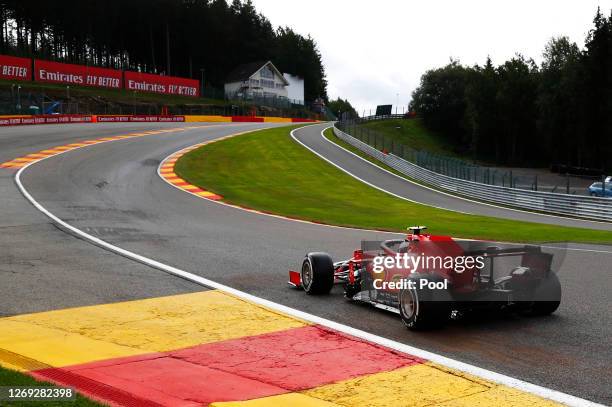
(458, 167)
(383, 117)
(587, 207)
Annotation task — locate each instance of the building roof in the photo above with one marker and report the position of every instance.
(245, 71)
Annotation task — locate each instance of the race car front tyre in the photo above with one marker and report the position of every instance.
(423, 308)
(546, 296)
(317, 273)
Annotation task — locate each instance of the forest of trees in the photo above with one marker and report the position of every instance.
(343, 109)
(174, 37)
(522, 114)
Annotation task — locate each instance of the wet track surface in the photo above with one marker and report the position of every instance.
(112, 191)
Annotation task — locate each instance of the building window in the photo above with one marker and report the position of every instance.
(279, 86)
(266, 72)
(267, 83)
(254, 82)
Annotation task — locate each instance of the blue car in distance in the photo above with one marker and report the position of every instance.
(596, 189)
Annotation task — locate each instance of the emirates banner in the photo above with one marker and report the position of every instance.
(81, 75)
(45, 119)
(139, 118)
(168, 85)
(14, 68)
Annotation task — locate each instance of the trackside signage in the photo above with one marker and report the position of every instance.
(139, 118)
(81, 75)
(44, 119)
(168, 85)
(14, 68)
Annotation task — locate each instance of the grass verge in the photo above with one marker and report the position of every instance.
(414, 134)
(329, 134)
(267, 170)
(16, 379)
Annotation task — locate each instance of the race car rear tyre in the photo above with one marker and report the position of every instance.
(546, 297)
(317, 273)
(424, 308)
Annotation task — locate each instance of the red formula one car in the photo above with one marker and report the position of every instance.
(427, 278)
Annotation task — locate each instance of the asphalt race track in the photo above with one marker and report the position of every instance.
(374, 175)
(112, 191)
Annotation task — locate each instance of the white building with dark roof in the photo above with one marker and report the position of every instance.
(257, 79)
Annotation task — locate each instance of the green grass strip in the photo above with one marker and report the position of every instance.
(267, 170)
(412, 133)
(329, 134)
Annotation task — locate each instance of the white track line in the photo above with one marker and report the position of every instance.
(400, 347)
(458, 196)
(321, 156)
(441, 192)
(271, 215)
(256, 212)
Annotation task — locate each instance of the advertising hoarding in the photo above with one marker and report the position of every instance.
(15, 68)
(81, 75)
(167, 85)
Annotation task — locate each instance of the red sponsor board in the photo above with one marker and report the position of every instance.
(45, 119)
(81, 75)
(139, 118)
(14, 68)
(168, 85)
(247, 119)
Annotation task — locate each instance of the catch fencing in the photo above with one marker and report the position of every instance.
(586, 207)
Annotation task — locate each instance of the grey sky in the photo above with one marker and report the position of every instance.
(373, 50)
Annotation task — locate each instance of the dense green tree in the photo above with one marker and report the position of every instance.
(299, 55)
(440, 100)
(597, 62)
(481, 112)
(521, 114)
(516, 106)
(176, 37)
(342, 108)
(561, 102)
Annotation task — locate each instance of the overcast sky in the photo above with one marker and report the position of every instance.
(373, 50)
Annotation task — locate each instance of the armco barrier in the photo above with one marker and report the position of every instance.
(76, 118)
(586, 207)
